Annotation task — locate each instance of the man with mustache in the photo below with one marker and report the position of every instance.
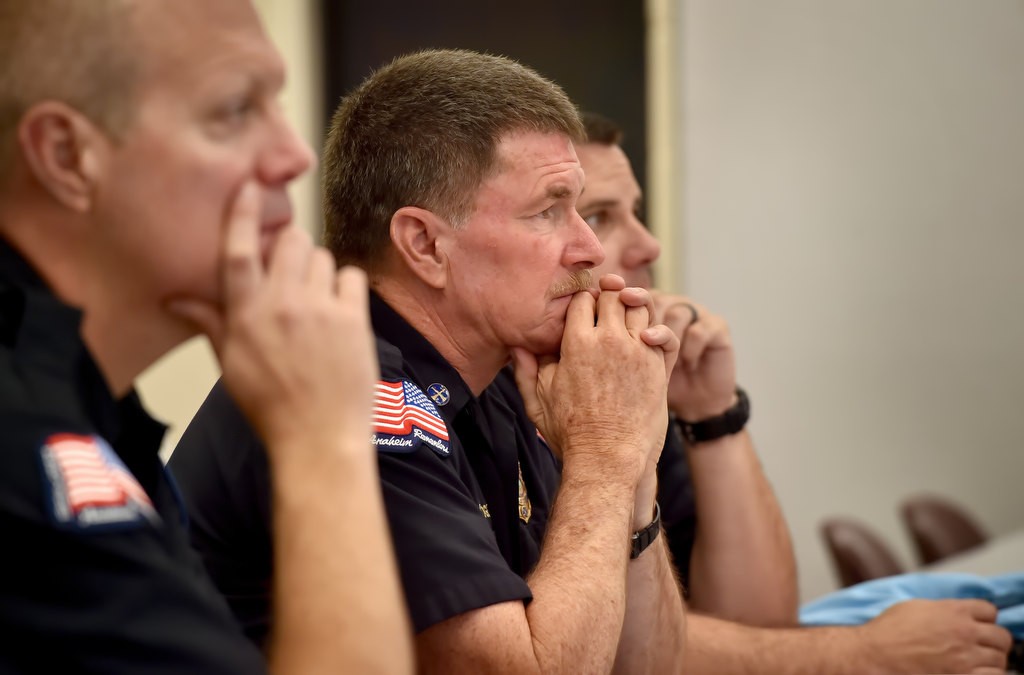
(731, 542)
(144, 161)
(451, 177)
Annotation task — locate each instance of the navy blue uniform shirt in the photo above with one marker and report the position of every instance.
(97, 575)
(468, 486)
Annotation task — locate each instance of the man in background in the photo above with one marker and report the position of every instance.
(143, 166)
(732, 546)
(451, 177)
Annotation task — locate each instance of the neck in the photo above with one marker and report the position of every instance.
(123, 337)
(477, 359)
(124, 347)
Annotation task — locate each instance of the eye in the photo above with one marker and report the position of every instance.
(236, 112)
(240, 109)
(596, 220)
(547, 214)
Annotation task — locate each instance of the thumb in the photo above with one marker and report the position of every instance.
(525, 365)
(526, 371)
(203, 315)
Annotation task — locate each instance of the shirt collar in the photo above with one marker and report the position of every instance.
(45, 335)
(422, 358)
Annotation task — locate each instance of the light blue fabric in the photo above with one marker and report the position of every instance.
(863, 602)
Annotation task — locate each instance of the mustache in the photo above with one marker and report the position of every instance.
(580, 280)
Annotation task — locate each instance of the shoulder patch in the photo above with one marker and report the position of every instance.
(89, 487)
(404, 418)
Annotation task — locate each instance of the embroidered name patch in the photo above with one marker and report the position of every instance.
(404, 418)
(89, 486)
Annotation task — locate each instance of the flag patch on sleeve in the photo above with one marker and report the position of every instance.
(404, 418)
(89, 486)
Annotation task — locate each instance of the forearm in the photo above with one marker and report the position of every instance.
(579, 584)
(718, 647)
(338, 606)
(654, 630)
(653, 636)
(742, 567)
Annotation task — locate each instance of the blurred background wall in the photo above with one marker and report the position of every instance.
(851, 199)
(841, 179)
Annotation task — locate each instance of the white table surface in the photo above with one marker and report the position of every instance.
(998, 555)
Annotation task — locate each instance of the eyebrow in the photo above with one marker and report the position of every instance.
(558, 192)
(603, 204)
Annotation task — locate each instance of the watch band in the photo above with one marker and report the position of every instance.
(730, 422)
(641, 539)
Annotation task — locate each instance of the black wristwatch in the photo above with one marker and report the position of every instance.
(730, 422)
(641, 539)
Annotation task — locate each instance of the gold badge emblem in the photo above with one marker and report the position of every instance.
(525, 508)
(484, 510)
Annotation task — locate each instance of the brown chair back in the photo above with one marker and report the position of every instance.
(858, 553)
(939, 527)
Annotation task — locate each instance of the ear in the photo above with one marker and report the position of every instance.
(420, 239)
(64, 151)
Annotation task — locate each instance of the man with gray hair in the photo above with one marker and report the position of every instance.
(452, 178)
(144, 160)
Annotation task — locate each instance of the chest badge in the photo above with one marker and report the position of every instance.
(525, 508)
(438, 393)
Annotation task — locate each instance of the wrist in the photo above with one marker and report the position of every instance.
(298, 461)
(621, 465)
(705, 409)
(643, 537)
(645, 499)
(861, 649)
(731, 421)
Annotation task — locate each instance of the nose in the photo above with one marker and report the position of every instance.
(584, 250)
(642, 248)
(287, 156)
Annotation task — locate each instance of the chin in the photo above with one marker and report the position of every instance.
(544, 345)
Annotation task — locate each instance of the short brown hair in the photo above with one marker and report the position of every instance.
(75, 51)
(423, 131)
(600, 129)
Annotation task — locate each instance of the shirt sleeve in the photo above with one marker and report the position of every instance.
(675, 496)
(130, 599)
(221, 470)
(447, 552)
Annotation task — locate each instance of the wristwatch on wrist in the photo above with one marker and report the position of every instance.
(641, 539)
(730, 422)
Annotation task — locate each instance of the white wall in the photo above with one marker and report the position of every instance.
(175, 387)
(854, 203)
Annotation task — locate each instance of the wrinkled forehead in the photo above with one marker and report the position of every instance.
(520, 148)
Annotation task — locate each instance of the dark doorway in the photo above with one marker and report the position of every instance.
(593, 48)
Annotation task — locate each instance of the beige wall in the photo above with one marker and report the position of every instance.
(854, 203)
(176, 386)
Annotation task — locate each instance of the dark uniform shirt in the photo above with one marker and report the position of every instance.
(96, 575)
(467, 483)
(675, 495)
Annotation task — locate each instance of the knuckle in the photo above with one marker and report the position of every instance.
(236, 262)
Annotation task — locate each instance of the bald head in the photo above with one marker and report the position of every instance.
(80, 52)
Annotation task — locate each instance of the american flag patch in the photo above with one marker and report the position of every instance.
(403, 417)
(89, 485)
